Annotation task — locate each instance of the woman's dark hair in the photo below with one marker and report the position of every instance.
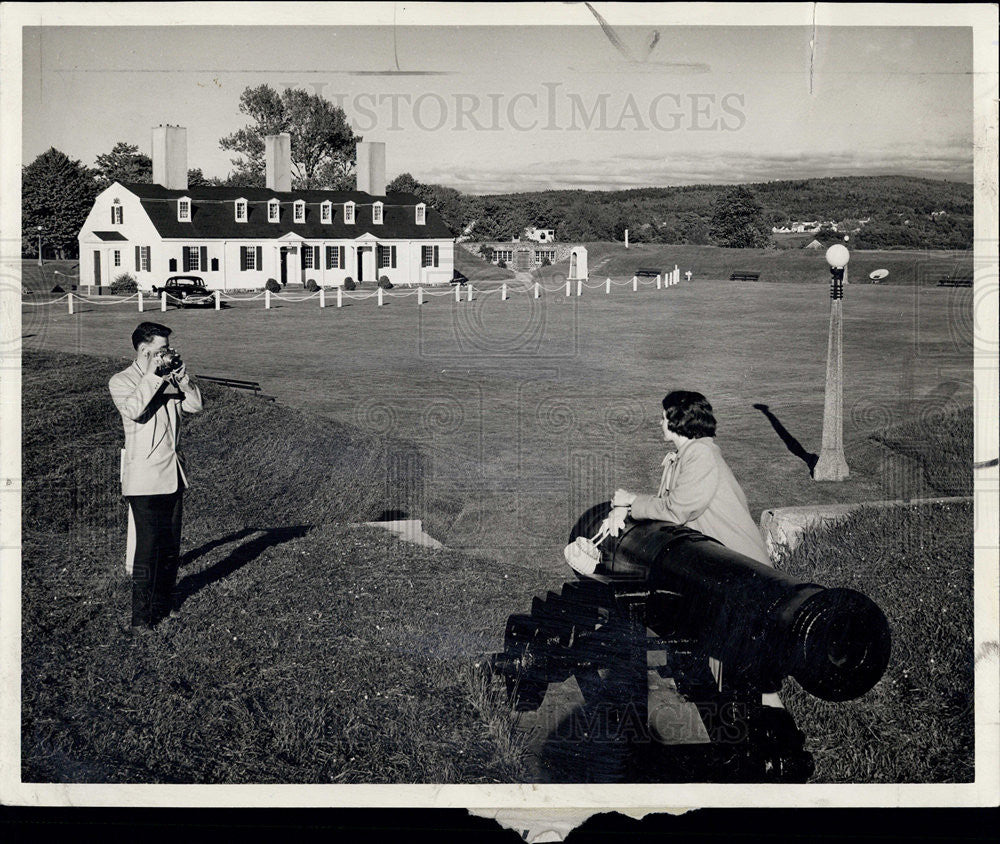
(146, 331)
(689, 414)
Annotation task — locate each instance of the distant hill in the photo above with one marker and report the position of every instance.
(899, 210)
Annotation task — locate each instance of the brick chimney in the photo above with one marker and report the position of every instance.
(170, 157)
(278, 161)
(371, 167)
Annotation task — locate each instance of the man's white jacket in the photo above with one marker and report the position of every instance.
(151, 415)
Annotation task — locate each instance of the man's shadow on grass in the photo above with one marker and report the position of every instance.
(239, 557)
(792, 444)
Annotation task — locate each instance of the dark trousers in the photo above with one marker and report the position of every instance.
(157, 554)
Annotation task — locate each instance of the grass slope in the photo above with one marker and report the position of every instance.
(306, 650)
(917, 724)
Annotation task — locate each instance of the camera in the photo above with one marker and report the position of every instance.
(169, 362)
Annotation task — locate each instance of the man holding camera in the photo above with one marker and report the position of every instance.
(150, 396)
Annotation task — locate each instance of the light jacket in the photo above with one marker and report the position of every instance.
(151, 415)
(698, 489)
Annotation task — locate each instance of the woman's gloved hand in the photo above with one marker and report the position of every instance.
(622, 498)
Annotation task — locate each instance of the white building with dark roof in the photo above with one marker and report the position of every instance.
(239, 237)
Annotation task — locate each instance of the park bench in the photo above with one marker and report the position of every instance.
(742, 275)
(236, 383)
(955, 281)
(647, 272)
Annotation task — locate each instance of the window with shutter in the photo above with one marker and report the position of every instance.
(138, 258)
(343, 263)
(392, 258)
(436, 248)
(145, 256)
(260, 258)
(203, 259)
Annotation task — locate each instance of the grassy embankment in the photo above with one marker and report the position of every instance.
(306, 650)
(917, 724)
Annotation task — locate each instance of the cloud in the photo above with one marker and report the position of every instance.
(652, 170)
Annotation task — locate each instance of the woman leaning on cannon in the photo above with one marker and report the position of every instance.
(698, 488)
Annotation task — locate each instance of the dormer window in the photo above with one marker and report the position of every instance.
(377, 213)
(184, 209)
(421, 214)
(326, 212)
(300, 211)
(348, 212)
(241, 210)
(273, 211)
(117, 213)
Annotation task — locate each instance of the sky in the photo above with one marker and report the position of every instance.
(489, 109)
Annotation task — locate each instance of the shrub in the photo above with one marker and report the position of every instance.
(312, 286)
(546, 262)
(124, 285)
(502, 264)
(384, 282)
(273, 286)
(487, 253)
(349, 284)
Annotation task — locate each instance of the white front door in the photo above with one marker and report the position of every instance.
(294, 265)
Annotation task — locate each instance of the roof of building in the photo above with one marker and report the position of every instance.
(111, 235)
(213, 214)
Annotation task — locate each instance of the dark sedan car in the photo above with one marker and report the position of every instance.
(187, 290)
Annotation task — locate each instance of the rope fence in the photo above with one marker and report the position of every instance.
(572, 287)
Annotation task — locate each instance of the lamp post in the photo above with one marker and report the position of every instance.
(832, 465)
(39, 245)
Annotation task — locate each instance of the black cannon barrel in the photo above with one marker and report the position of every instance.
(761, 623)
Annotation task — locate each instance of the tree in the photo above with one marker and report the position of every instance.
(323, 143)
(123, 164)
(404, 183)
(738, 221)
(57, 194)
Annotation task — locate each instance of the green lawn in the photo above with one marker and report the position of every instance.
(499, 422)
(803, 266)
(528, 411)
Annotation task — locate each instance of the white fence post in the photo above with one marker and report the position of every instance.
(635, 283)
(267, 299)
(567, 287)
(218, 300)
(340, 296)
(659, 282)
(163, 300)
(579, 287)
(380, 297)
(468, 293)
(420, 295)
(537, 291)
(607, 286)
(140, 301)
(69, 298)
(503, 292)
(458, 292)
(322, 297)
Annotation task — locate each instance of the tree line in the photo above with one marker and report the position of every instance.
(899, 211)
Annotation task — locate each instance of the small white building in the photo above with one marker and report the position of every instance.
(239, 237)
(540, 235)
